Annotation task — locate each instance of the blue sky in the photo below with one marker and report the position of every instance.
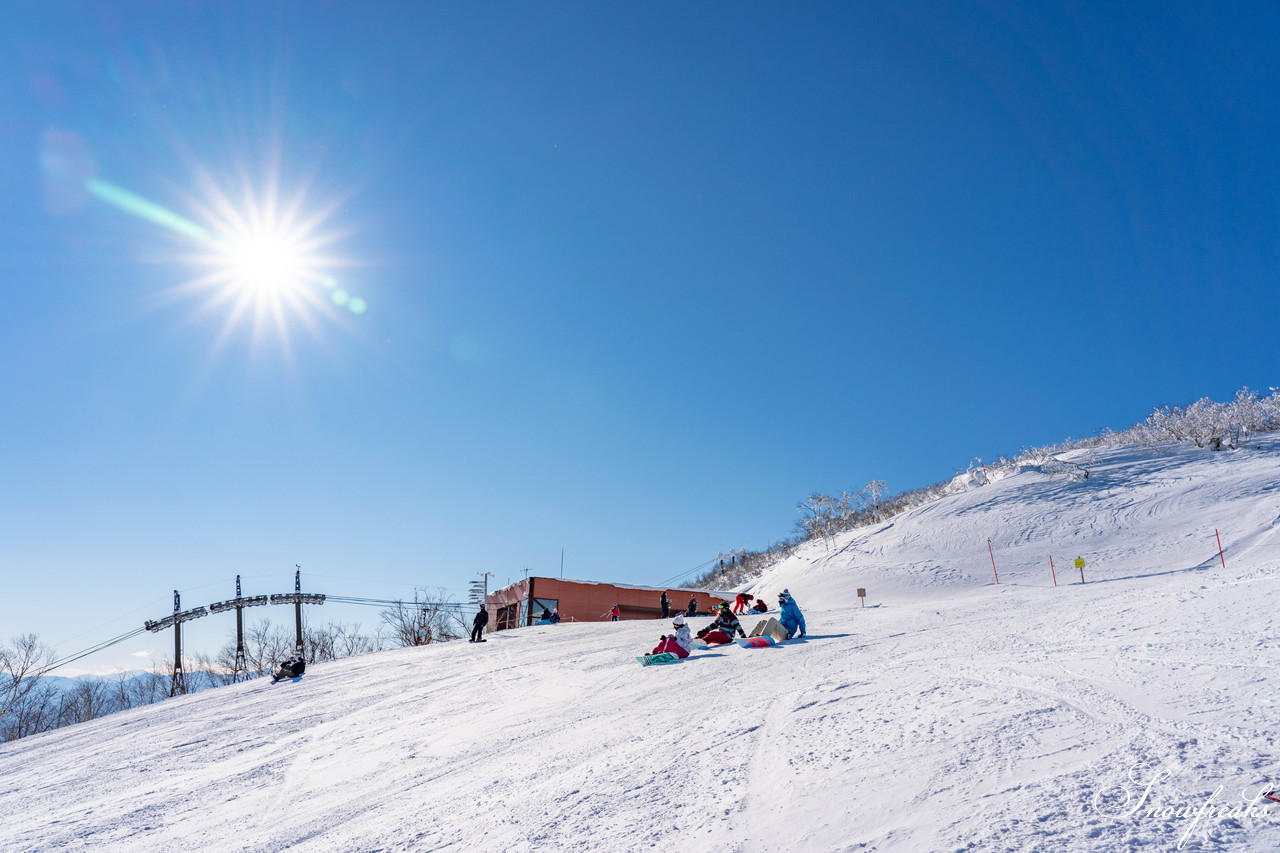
(637, 278)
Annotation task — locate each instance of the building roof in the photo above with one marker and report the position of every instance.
(715, 592)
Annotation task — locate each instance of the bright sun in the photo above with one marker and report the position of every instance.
(265, 263)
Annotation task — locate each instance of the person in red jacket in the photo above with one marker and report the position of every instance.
(741, 603)
(615, 613)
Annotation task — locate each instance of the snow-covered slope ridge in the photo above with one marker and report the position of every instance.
(951, 714)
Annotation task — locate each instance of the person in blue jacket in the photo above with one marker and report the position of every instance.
(790, 615)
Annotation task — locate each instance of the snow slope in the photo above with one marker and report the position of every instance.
(950, 715)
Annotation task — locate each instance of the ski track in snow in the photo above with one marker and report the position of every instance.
(951, 715)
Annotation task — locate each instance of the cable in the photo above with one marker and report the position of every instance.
(94, 649)
(690, 571)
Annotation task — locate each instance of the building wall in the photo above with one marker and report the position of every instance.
(589, 602)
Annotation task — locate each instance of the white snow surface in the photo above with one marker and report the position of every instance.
(951, 714)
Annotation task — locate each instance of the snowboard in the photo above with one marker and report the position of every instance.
(756, 642)
(665, 657)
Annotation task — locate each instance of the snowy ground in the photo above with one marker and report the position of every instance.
(949, 715)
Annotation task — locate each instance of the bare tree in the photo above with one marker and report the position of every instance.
(427, 619)
(38, 710)
(88, 699)
(22, 661)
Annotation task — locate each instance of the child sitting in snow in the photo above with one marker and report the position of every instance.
(680, 643)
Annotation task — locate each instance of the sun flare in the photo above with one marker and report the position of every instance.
(267, 260)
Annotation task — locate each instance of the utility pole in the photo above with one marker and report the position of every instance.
(239, 603)
(480, 588)
(178, 683)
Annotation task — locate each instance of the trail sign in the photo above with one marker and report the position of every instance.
(862, 594)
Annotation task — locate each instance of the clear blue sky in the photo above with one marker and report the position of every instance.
(637, 278)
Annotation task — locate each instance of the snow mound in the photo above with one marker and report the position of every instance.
(1139, 512)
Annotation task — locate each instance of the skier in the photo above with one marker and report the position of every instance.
(615, 613)
(721, 631)
(790, 615)
(477, 625)
(666, 605)
(693, 606)
(740, 603)
(680, 643)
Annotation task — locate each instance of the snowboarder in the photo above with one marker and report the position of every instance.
(477, 625)
(761, 607)
(679, 643)
(615, 613)
(740, 603)
(666, 605)
(790, 615)
(292, 668)
(693, 606)
(721, 631)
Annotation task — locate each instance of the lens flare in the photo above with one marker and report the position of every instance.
(265, 262)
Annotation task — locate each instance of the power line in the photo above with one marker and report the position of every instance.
(105, 644)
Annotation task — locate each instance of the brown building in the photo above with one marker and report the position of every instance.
(522, 603)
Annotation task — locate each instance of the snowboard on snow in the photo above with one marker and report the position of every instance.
(665, 657)
(756, 642)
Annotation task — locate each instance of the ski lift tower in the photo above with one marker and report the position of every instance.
(239, 603)
(178, 682)
(298, 598)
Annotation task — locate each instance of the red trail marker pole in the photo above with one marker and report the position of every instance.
(1220, 557)
(993, 561)
(1055, 574)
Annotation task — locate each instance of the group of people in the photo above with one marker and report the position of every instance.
(725, 625)
(691, 610)
(721, 630)
(291, 668)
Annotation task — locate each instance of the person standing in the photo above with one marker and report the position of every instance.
(693, 606)
(666, 605)
(477, 625)
(741, 601)
(615, 613)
